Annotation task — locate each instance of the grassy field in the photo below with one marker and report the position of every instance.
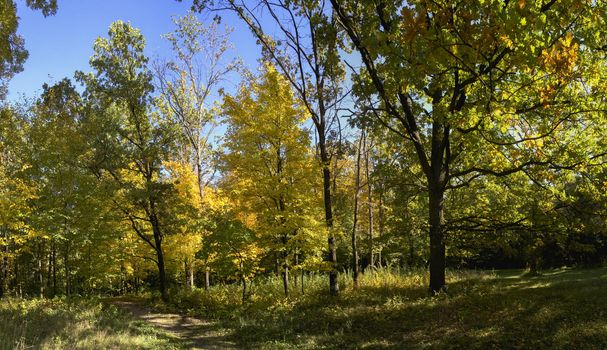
(77, 324)
(560, 309)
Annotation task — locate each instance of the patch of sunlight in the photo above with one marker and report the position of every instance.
(377, 344)
(585, 330)
(537, 285)
(490, 332)
(546, 314)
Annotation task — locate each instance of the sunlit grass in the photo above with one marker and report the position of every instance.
(561, 309)
(77, 324)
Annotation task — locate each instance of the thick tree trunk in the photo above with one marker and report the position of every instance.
(437, 176)
(326, 182)
(437, 243)
(159, 254)
(161, 273)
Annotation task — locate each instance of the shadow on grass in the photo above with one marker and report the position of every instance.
(74, 324)
(561, 309)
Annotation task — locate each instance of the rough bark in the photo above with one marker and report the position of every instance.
(159, 254)
(326, 175)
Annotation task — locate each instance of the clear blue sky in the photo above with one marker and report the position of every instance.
(61, 44)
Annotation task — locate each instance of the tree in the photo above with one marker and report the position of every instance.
(186, 84)
(12, 51)
(130, 140)
(269, 166)
(301, 40)
(465, 83)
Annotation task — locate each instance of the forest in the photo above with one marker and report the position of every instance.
(388, 175)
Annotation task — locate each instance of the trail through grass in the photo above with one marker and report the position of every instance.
(76, 324)
(560, 309)
(194, 333)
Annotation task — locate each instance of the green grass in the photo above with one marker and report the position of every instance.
(560, 309)
(75, 324)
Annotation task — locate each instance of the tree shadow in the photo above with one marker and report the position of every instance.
(559, 309)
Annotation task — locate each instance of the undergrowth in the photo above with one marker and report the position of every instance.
(74, 324)
(391, 309)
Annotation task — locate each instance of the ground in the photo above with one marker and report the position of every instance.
(560, 309)
(195, 333)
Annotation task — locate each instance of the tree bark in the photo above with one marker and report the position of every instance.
(159, 253)
(369, 203)
(326, 176)
(437, 243)
(207, 278)
(40, 271)
(243, 281)
(285, 278)
(437, 179)
(355, 267)
(66, 266)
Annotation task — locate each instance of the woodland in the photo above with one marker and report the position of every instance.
(392, 174)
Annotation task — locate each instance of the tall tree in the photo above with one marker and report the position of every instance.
(465, 82)
(270, 166)
(301, 40)
(187, 84)
(131, 140)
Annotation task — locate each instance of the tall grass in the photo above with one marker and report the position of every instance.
(75, 324)
(392, 309)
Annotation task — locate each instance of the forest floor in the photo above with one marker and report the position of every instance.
(194, 333)
(509, 309)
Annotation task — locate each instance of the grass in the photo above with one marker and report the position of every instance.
(559, 309)
(75, 324)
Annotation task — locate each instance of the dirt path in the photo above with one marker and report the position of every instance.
(194, 332)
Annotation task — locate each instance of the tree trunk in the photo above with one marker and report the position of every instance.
(159, 254)
(326, 182)
(54, 258)
(207, 278)
(4, 261)
(369, 202)
(285, 278)
(381, 224)
(296, 266)
(66, 266)
(40, 272)
(188, 272)
(437, 243)
(355, 268)
(243, 281)
(302, 282)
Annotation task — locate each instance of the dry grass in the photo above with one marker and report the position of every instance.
(77, 324)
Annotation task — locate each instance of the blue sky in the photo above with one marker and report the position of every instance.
(61, 44)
